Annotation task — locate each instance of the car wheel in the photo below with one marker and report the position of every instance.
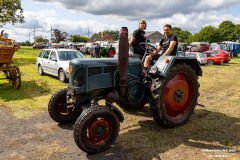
(210, 62)
(62, 76)
(40, 70)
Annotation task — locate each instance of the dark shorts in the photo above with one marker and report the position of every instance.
(138, 50)
(155, 57)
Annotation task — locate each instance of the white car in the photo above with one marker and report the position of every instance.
(55, 62)
(201, 57)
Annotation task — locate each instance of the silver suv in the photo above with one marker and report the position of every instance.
(55, 62)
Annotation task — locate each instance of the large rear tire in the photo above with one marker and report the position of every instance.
(175, 97)
(60, 111)
(96, 129)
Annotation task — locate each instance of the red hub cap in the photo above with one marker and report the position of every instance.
(99, 131)
(177, 95)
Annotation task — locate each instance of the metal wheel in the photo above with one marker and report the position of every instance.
(96, 129)
(175, 97)
(210, 62)
(16, 77)
(40, 70)
(62, 76)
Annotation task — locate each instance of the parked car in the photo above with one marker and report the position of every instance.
(213, 59)
(201, 57)
(55, 62)
(41, 45)
(203, 46)
(220, 53)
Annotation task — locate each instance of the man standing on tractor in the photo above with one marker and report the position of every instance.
(168, 45)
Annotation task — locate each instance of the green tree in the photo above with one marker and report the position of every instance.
(40, 39)
(182, 35)
(237, 32)
(113, 33)
(78, 38)
(59, 35)
(194, 38)
(11, 12)
(209, 34)
(226, 30)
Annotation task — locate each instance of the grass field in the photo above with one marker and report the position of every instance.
(213, 131)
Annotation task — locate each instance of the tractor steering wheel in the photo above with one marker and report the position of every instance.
(147, 47)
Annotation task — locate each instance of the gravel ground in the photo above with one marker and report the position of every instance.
(42, 138)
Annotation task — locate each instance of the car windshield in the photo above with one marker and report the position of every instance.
(202, 55)
(68, 55)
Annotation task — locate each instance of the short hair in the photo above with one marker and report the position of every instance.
(143, 21)
(168, 25)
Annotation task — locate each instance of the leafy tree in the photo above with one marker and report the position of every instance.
(181, 34)
(237, 32)
(226, 30)
(59, 35)
(194, 38)
(11, 12)
(209, 34)
(78, 38)
(40, 39)
(114, 34)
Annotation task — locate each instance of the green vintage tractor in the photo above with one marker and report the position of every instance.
(170, 87)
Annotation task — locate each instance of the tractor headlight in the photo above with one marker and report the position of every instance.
(154, 70)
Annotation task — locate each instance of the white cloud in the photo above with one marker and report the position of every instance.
(77, 16)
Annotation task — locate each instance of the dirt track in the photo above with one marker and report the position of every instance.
(42, 138)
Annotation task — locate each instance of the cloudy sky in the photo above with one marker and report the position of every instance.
(92, 16)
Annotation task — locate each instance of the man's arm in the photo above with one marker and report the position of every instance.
(157, 51)
(170, 48)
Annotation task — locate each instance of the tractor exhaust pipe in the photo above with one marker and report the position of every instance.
(123, 64)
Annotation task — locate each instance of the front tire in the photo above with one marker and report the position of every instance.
(40, 70)
(62, 76)
(175, 97)
(96, 129)
(60, 111)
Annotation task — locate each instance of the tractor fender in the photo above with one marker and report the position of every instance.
(116, 111)
(165, 63)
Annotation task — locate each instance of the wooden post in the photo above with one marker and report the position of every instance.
(123, 63)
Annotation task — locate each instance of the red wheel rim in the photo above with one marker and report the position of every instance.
(178, 95)
(99, 131)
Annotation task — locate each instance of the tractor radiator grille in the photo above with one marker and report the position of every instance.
(109, 69)
(94, 70)
(79, 78)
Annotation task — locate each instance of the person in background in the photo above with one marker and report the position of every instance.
(97, 51)
(83, 50)
(168, 45)
(71, 46)
(138, 37)
(92, 51)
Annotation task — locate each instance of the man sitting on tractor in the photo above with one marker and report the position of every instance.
(168, 45)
